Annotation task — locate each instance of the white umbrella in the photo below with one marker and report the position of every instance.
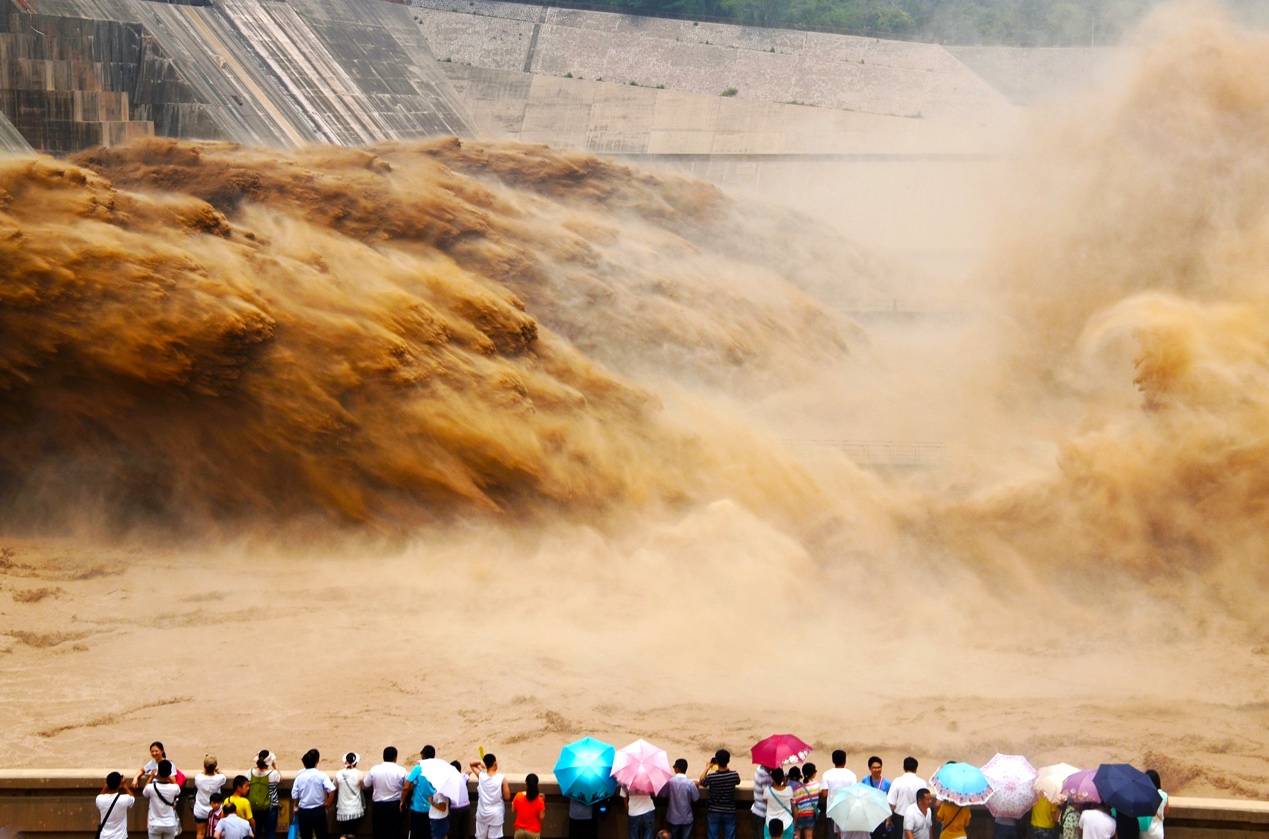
(1013, 779)
(443, 777)
(857, 808)
(1049, 780)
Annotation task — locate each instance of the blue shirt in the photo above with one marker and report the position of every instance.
(884, 786)
(310, 788)
(422, 792)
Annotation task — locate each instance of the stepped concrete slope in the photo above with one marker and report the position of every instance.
(64, 82)
(836, 71)
(252, 71)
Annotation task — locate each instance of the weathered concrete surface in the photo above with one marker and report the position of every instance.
(335, 71)
(837, 71)
(59, 805)
(609, 118)
(11, 139)
(1034, 75)
(64, 81)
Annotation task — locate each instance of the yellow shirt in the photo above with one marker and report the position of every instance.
(242, 805)
(955, 820)
(1044, 814)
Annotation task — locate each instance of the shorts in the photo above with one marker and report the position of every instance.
(524, 834)
(348, 827)
(491, 829)
(197, 820)
(805, 822)
(440, 827)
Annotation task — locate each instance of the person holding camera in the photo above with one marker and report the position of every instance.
(163, 792)
(113, 803)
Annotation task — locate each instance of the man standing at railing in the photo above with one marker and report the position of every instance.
(313, 792)
(720, 781)
(384, 780)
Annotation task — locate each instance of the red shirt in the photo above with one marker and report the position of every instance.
(529, 813)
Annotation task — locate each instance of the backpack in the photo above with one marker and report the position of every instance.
(258, 794)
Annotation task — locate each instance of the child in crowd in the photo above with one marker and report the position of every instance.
(806, 802)
(215, 812)
(238, 798)
(231, 825)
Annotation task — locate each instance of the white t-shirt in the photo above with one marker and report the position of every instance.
(384, 780)
(780, 805)
(161, 814)
(204, 786)
(233, 826)
(117, 825)
(836, 778)
(1096, 824)
(489, 804)
(637, 803)
(435, 812)
(917, 822)
(903, 790)
(348, 801)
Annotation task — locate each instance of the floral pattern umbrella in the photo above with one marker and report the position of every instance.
(961, 783)
(1080, 789)
(1013, 779)
(779, 749)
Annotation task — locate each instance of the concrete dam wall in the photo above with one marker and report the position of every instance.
(871, 75)
(77, 73)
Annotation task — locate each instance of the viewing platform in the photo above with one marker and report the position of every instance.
(59, 804)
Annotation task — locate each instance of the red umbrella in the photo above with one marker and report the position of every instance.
(779, 749)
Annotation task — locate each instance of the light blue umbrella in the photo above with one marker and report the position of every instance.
(584, 770)
(961, 784)
(857, 808)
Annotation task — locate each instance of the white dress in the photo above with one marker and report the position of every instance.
(349, 804)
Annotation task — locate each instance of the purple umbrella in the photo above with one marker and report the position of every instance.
(1080, 789)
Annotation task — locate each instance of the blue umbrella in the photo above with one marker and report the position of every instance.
(1127, 789)
(584, 770)
(961, 784)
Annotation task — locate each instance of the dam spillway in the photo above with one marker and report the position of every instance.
(78, 73)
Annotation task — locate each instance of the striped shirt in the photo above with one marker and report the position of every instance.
(761, 781)
(722, 790)
(806, 800)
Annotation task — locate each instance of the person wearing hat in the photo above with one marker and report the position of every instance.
(350, 806)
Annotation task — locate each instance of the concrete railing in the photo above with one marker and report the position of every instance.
(58, 804)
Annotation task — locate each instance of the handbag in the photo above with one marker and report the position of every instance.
(106, 817)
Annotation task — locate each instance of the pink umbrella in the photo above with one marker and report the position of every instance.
(641, 767)
(1080, 789)
(779, 749)
(1013, 779)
